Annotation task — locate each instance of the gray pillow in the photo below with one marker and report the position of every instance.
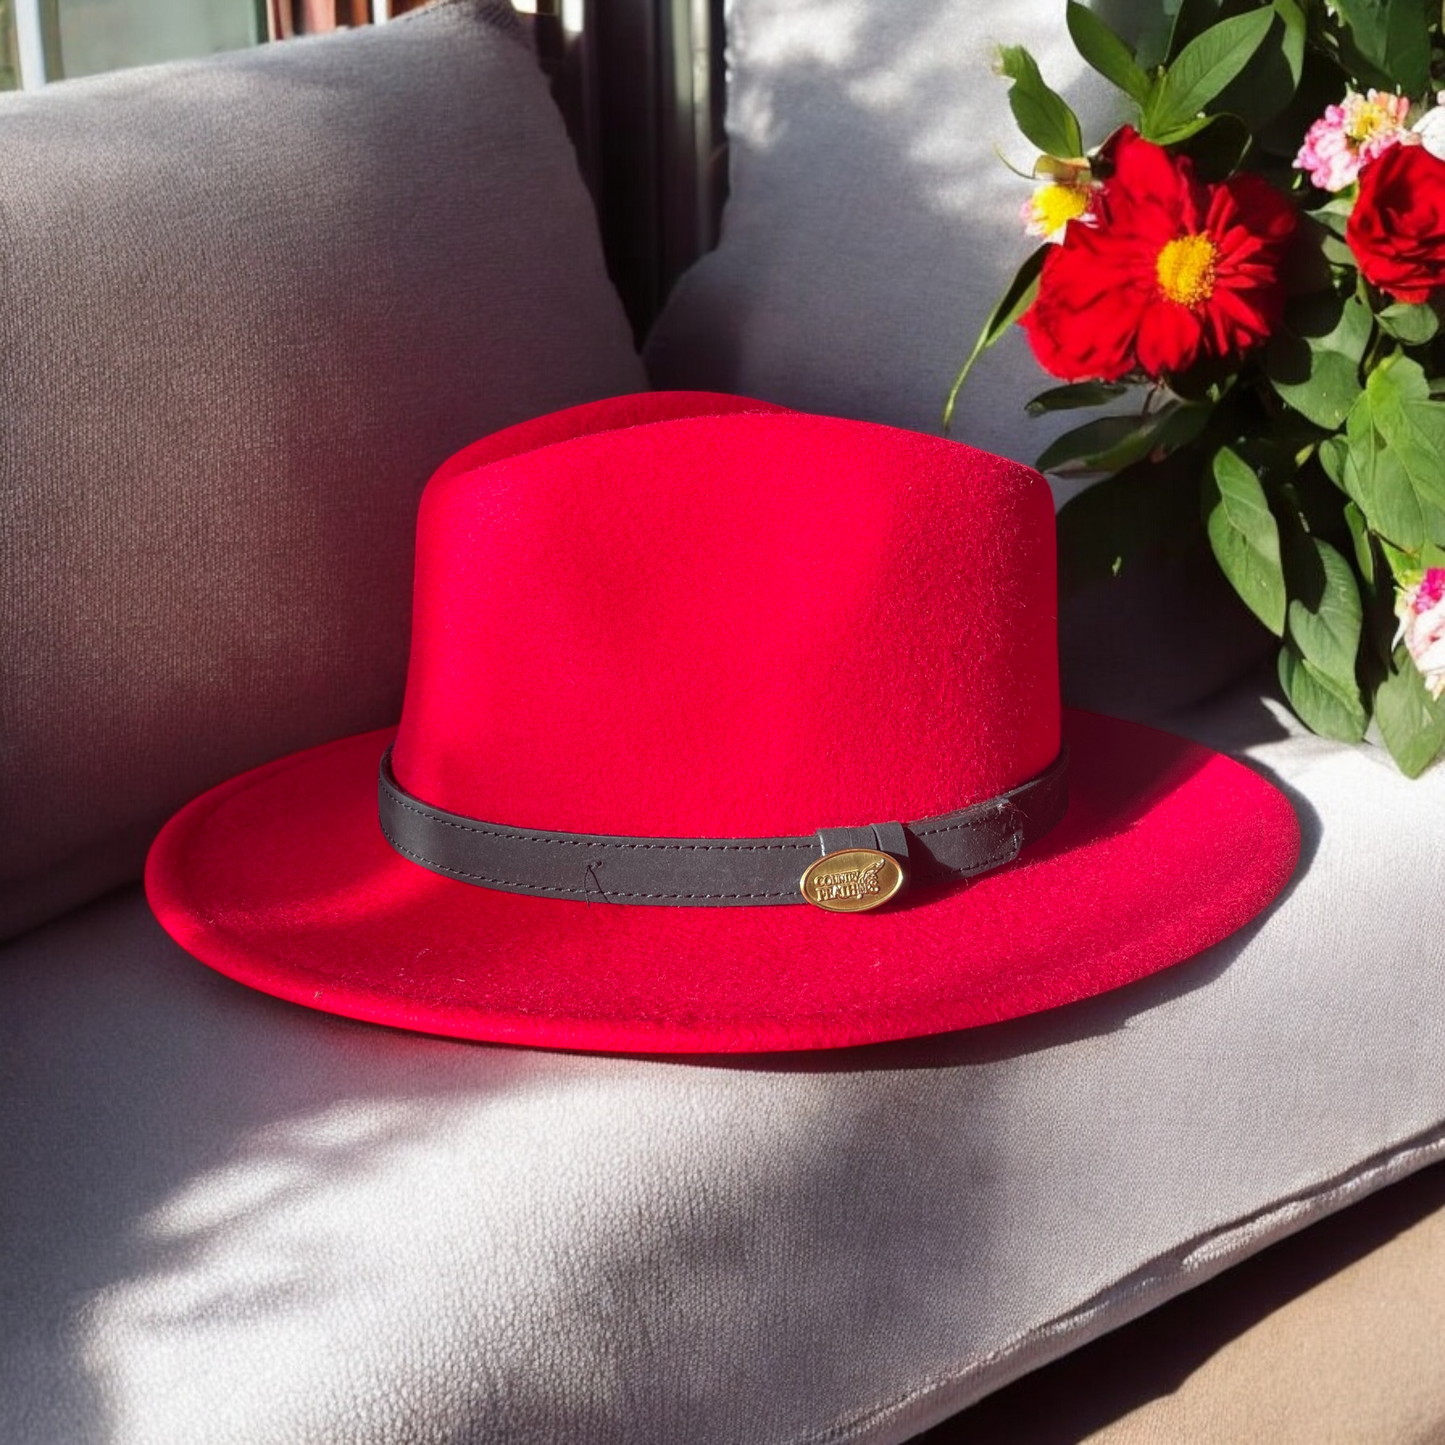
(250, 304)
(871, 224)
(870, 228)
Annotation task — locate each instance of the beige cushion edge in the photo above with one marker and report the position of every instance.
(933, 1401)
(1356, 1357)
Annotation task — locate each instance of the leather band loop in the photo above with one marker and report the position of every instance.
(881, 837)
(710, 872)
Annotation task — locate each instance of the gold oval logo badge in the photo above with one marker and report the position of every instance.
(852, 880)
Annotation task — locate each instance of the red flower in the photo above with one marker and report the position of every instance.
(1175, 270)
(1397, 228)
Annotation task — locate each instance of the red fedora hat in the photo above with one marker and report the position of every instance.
(684, 666)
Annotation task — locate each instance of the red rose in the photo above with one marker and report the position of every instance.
(1397, 229)
(1174, 270)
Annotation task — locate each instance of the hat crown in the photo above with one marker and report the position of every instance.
(740, 624)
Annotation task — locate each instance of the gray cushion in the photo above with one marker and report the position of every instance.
(869, 230)
(1331, 1335)
(228, 1219)
(870, 224)
(250, 304)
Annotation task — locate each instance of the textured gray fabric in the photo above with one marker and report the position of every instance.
(870, 224)
(1331, 1337)
(869, 230)
(228, 1219)
(250, 304)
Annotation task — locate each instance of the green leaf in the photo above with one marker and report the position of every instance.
(1407, 30)
(1079, 394)
(1375, 479)
(1186, 130)
(1345, 326)
(1324, 705)
(1412, 425)
(1106, 444)
(1325, 613)
(1191, 19)
(1011, 305)
(1245, 537)
(1360, 537)
(1144, 516)
(1205, 67)
(1267, 85)
(1411, 722)
(1309, 271)
(1313, 360)
(1334, 215)
(1111, 443)
(1397, 378)
(1040, 113)
(1107, 53)
(1414, 325)
(1215, 143)
(1393, 37)
(1404, 566)
(1334, 455)
(1337, 253)
(1296, 34)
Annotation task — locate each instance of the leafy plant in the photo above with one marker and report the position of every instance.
(1253, 261)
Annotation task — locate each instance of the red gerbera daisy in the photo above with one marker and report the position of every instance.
(1175, 270)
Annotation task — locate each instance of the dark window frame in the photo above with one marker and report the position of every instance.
(642, 87)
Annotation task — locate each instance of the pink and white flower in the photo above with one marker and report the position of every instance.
(1350, 135)
(1421, 610)
(1431, 128)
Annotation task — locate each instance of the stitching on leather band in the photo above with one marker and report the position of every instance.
(924, 830)
(990, 834)
(797, 845)
(514, 883)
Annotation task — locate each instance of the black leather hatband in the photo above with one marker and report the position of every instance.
(714, 872)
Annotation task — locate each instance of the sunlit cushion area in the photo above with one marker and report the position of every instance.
(243, 1220)
(253, 302)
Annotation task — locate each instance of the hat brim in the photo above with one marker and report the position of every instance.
(282, 880)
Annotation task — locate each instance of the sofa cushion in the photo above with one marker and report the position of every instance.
(870, 224)
(233, 1220)
(870, 228)
(1332, 1335)
(250, 303)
